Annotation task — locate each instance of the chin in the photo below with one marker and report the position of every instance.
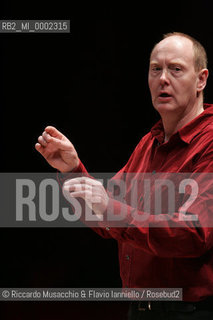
(165, 107)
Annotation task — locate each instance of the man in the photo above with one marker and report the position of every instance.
(181, 142)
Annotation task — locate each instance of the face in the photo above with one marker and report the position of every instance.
(173, 81)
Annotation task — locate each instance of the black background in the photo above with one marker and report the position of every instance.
(92, 85)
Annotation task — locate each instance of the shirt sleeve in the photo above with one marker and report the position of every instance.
(180, 235)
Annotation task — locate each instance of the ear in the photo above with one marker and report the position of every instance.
(202, 79)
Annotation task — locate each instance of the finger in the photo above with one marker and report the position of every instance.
(77, 187)
(60, 144)
(84, 194)
(42, 142)
(46, 136)
(39, 148)
(54, 132)
(82, 180)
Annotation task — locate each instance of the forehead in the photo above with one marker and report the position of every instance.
(174, 47)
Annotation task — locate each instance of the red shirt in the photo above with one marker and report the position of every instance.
(167, 257)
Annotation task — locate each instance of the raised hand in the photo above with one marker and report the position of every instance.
(58, 151)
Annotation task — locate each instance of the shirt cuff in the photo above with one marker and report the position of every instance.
(117, 214)
(79, 171)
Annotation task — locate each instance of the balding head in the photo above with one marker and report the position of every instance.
(174, 48)
(200, 56)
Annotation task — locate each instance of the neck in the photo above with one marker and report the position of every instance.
(173, 122)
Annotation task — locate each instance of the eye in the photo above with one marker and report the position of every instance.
(175, 68)
(155, 68)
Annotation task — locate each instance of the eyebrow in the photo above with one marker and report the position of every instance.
(172, 62)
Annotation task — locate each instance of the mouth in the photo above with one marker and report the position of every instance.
(164, 97)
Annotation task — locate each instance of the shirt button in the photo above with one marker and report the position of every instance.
(127, 257)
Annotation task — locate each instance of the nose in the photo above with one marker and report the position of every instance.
(164, 78)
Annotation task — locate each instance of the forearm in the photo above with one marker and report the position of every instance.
(162, 235)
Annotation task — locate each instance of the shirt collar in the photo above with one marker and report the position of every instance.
(190, 130)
